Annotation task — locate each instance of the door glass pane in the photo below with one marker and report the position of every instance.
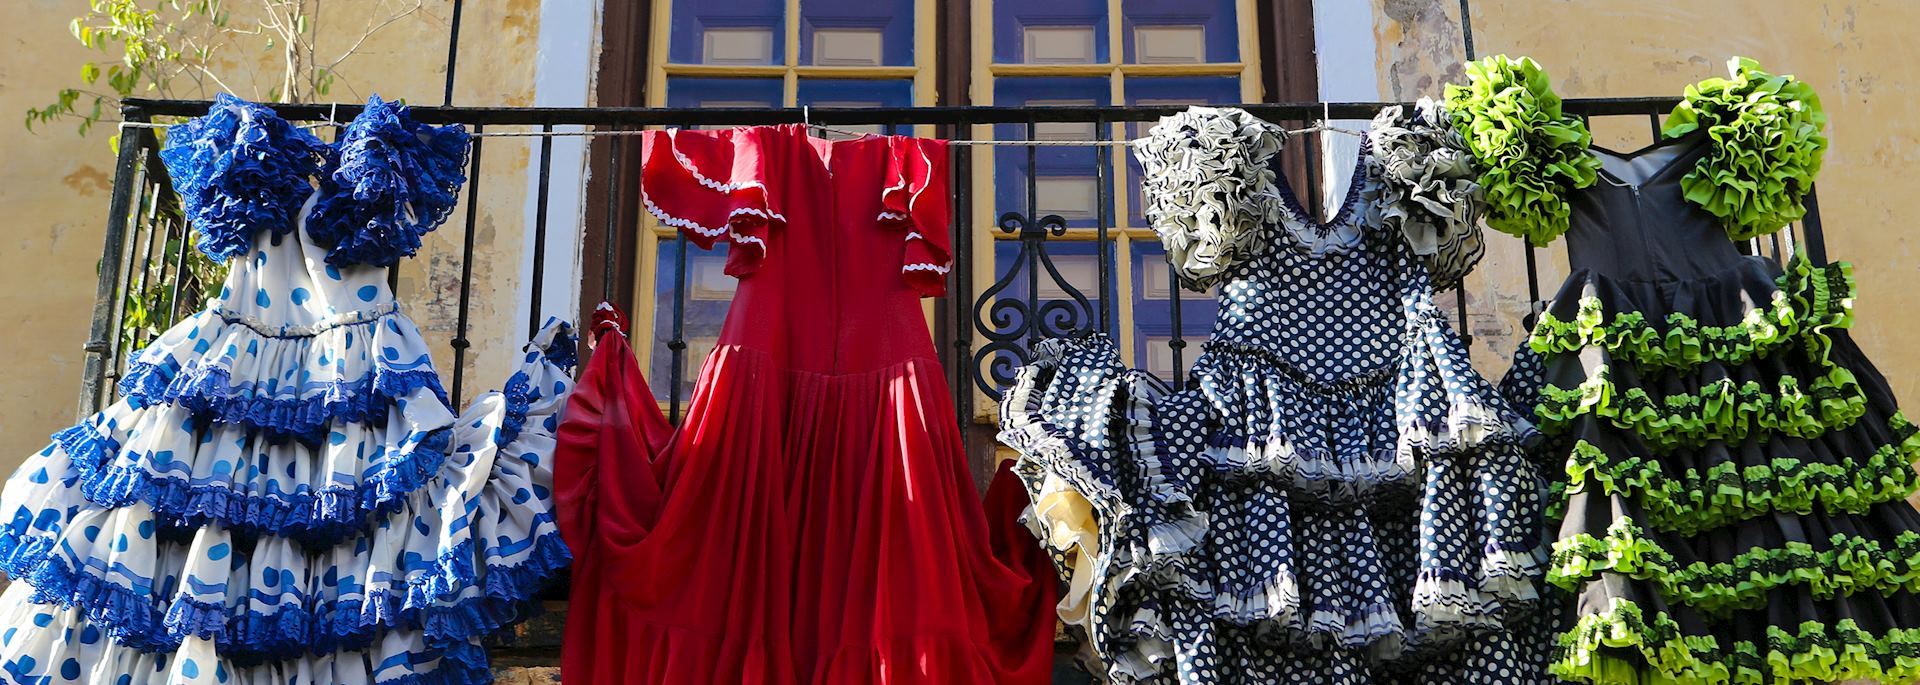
(1064, 180)
(731, 32)
(1153, 313)
(709, 293)
(1051, 32)
(856, 33)
(688, 91)
(859, 93)
(1179, 31)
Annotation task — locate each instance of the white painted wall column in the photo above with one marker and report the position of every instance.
(563, 77)
(1348, 72)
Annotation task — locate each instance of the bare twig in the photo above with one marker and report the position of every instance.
(373, 29)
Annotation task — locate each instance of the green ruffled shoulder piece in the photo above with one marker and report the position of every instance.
(1767, 147)
(1697, 500)
(1809, 300)
(1810, 652)
(1851, 565)
(1530, 152)
(1721, 410)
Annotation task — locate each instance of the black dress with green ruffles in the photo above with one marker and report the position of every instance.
(1736, 469)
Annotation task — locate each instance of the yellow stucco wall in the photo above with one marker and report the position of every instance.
(54, 187)
(1857, 53)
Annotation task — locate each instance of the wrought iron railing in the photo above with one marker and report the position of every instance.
(987, 332)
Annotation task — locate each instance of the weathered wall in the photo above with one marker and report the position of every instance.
(54, 187)
(1855, 52)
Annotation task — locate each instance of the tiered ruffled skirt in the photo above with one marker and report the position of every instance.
(1264, 527)
(1735, 480)
(265, 507)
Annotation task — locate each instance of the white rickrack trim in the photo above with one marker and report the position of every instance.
(770, 216)
(685, 163)
(726, 230)
(902, 185)
(678, 222)
(928, 266)
(915, 234)
(739, 239)
(914, 200)
(891, 216)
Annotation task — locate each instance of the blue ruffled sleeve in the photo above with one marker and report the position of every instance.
(238, 170)
(396, 180)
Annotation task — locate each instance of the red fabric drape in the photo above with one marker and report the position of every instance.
(813, 519)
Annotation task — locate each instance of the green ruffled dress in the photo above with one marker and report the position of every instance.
(1733, 509)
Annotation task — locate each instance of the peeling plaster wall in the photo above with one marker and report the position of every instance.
(54, 187)
(1856, 52)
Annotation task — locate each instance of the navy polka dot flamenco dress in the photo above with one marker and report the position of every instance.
(283, 494)
(1336, 496)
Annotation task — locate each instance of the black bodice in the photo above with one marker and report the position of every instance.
(1635, 223)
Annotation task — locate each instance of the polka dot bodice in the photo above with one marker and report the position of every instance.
(1337, 319)
(285, 287)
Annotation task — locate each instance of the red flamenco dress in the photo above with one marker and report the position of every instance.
(813, 520)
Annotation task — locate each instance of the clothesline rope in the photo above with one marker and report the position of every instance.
(595, 133)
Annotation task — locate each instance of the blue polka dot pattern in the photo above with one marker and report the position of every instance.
(1336, 497)
(284, 494)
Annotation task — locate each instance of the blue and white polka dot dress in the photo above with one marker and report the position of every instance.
(1335, 497)
(284, 495)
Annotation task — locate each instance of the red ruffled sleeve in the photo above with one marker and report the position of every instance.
(915, 204)
(712, 185)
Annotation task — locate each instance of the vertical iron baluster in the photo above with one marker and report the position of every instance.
(1460, 289)
(609, 262)
(1774, 238)
(1178, 343)
(1816, 239)
(677, 345)
(453, 52)
(460, 342)
(1032, 251)
(179, 271)
(540, 228)
(129, 286)
(1460, 310)
(1466, 29)
(1312, 160)
(963, 281)
(150, 206)
(100, 331)
(1103, 194)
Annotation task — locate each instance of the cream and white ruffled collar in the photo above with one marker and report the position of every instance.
(1210, 188)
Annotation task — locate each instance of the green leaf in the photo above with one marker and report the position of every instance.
(89, 72)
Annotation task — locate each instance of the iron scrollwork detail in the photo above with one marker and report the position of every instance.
(1012, 325)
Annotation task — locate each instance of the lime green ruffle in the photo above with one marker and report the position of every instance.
(1809, 300)
(1851, 565)
(1530, 152)
(1721, 410)
(1766, 147)
(1810, 652)
(1695, 500)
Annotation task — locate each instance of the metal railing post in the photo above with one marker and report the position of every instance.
(101, 330)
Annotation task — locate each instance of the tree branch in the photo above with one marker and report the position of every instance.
(373, 29)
